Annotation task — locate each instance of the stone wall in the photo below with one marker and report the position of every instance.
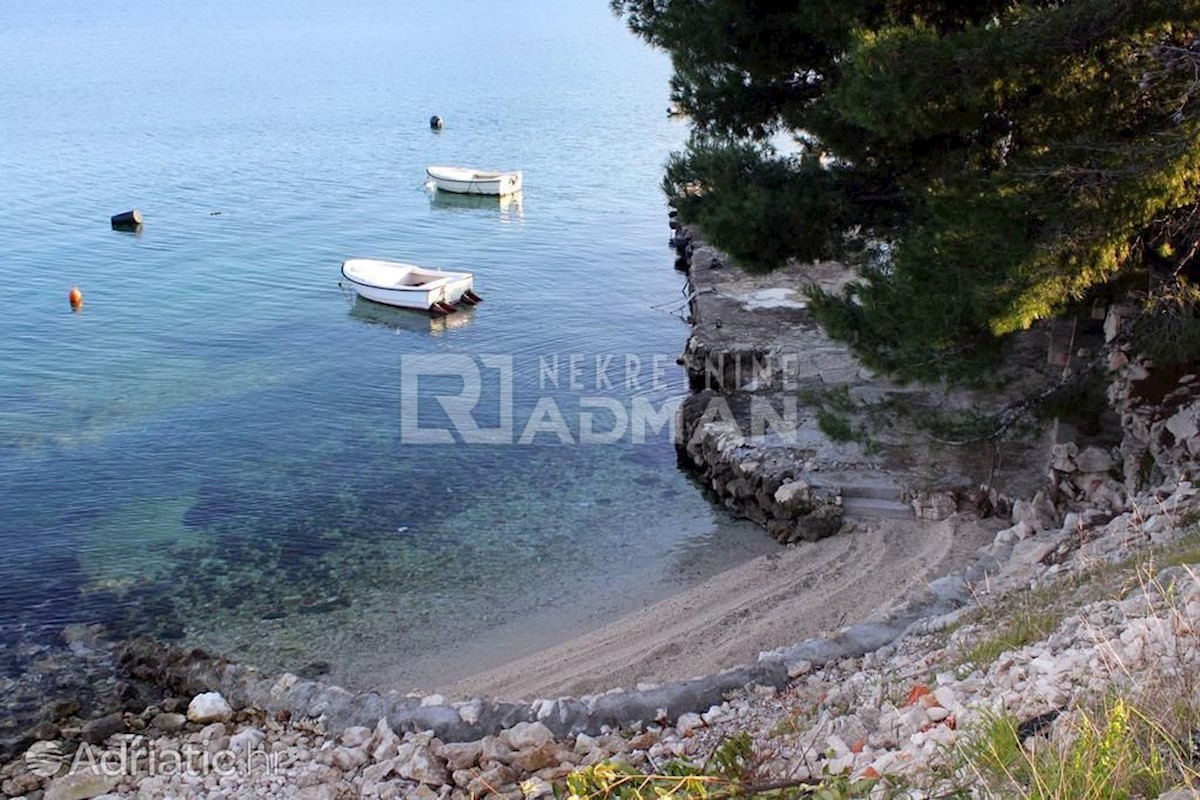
(1159, 408)
(748, 475)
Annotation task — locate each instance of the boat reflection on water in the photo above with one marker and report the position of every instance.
(508, 205)
(403, 320)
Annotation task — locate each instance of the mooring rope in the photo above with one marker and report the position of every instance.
(677, 305)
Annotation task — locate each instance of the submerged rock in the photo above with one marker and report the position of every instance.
(98, 730)
(168, 722)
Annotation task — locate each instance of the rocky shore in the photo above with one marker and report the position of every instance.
(894, 711)
(787, 428)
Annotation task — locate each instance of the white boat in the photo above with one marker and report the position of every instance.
(395, 283)
(462, 180)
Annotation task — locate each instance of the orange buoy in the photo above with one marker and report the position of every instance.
(76, 298)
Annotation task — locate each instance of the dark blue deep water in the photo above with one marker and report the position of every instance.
(212, 450)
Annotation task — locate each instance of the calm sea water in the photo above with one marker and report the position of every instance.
(212, 450)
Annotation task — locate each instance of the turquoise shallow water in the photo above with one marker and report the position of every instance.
(212, 450)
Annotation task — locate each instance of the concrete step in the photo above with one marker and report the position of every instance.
(869, 486)
(873, 491)
(869, 507)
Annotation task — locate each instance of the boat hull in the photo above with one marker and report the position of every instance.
(463, 181)
(370, 280)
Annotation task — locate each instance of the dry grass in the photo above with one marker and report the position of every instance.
(1137, 741)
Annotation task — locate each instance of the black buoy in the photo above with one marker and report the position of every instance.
(435, 122)
(128, 221)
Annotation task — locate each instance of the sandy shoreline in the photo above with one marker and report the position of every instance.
(771, 601)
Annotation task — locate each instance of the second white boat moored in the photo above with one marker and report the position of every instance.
(396, 283)
(462, 180)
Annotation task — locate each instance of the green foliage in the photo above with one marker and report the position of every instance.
(1186, 550)
(837, 415)
(620, 782)
(988, 162)
(1078, 402)
(728, 774)
(1133, 743)
(1115, 753)
(1168, 329)
(994, 749)
(732, 759)
(761, 213)
(723, 775)
(1020, 618)
(957, 426)
(835, 426)
(892, 332)
(1027, 625)
(835, 398)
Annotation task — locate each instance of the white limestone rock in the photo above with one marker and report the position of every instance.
(526, 736)
(80, 786)
(790, 491)
(1094, 459)
(385, 742)
(1063, 457)
(248, 739)
(1185, 424)
(688, 723)
(417, 762)
(349, 758)
(356, 736)
(460, 755)
(937, 713)
(209, 707)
